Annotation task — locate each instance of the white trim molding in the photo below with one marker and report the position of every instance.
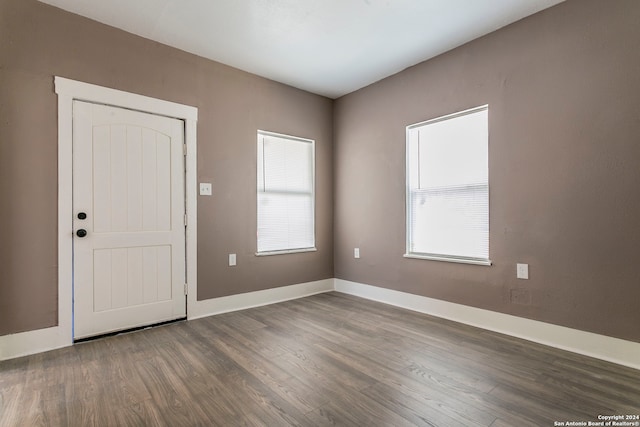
(614, 350)
(258, 298)
(31, 342)
(26, 343)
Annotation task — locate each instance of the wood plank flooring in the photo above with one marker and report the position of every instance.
(328, 359)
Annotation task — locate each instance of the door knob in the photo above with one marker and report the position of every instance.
(81, 233)
(82, 215)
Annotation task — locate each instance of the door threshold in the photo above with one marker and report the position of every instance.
(127, 331)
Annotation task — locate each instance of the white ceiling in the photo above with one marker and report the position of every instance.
(329, 47)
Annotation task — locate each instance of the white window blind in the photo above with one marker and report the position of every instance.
(448, 187)
(285, 193)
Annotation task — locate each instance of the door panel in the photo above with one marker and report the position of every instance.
(128, 171)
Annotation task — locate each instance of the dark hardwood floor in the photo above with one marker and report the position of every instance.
(329, 359)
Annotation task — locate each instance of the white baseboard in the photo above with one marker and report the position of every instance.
(38, 341)
(26, 343)
(258, 298)
(614, 350)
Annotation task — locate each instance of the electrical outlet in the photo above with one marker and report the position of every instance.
(356, 252)
(522, 271)
(232, 260)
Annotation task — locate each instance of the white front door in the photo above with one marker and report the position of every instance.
(128, 207)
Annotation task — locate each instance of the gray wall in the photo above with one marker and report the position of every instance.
(37, 42)
(563, 88)
(564, 98)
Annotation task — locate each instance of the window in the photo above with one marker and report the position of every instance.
(285, 194)
(448, 188)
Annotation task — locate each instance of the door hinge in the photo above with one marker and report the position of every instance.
(186, 288)
(184, 149)
(185, 220)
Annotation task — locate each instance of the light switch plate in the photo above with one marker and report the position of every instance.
(356, 252)
(232, 260)
(205, 188)
(522, 271)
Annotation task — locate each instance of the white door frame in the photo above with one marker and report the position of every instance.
(68, 91)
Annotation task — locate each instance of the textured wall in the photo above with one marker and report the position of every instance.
(563, 90)
(37, 42)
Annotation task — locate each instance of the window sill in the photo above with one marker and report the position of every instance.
(288, 251)
(449, 259)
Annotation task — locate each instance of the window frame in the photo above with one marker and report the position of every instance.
(408, 170)
(313, 191)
